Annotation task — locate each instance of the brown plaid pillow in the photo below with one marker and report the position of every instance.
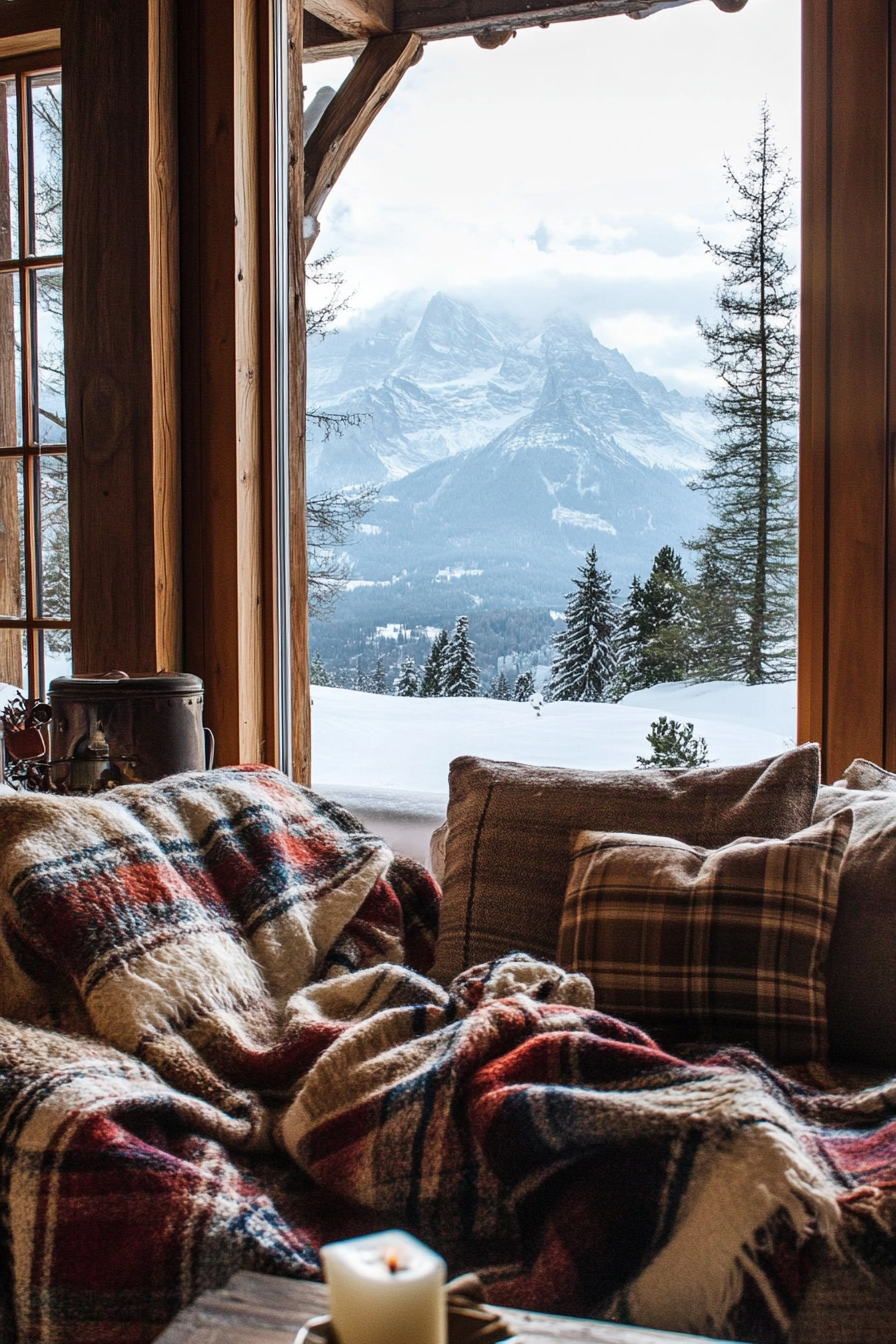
(725, 945)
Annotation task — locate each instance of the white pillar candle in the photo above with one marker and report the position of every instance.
(386, 1289)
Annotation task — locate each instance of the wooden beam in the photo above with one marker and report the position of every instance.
(121, 302)
(323, 43)
(355, 18)
(367, 89)
(223, 374)
(31, 18)
(435, 19)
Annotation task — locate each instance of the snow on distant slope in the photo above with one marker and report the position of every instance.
(378, 741)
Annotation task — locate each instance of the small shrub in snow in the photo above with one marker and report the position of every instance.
(673, 745)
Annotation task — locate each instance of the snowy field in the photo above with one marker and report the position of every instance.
(379, 741)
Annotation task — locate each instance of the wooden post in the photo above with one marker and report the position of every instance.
(225, 366)
(847, 635)
(121, 285)
(301, 686)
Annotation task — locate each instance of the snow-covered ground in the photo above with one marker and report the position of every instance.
(378, 741)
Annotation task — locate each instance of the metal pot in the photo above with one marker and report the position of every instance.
(118, 729)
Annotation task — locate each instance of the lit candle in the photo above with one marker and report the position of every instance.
(386, 1289)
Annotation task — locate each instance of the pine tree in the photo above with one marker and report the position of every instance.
(585, 657)
(378, 681)
(652, 639)
(362, 681)
(461, 675)
(434, 668)
(318, 674)
(409, 679)
(524, 687)
(500, 688)
(751, 477)
(673, 745)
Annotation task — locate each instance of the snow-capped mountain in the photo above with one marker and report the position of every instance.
(503, 453)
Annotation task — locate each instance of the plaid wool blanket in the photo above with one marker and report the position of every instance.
(219, 1048)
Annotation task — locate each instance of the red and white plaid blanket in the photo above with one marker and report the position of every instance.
(219, 1048)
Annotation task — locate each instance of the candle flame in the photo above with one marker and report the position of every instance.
(393, 1260)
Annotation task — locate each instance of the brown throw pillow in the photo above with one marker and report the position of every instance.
(862, 960)
(724, 945)
(509, 831)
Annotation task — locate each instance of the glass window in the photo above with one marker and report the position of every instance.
(35, 633)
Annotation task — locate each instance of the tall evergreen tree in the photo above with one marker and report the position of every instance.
(585, 657)
(652, 641)
(461, 673)
(751, 477)
(524, 687)
(409, 679)
(500, 688)
(433, 680)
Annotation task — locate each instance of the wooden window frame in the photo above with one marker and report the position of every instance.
(24, 67)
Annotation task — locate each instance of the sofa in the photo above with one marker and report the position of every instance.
(236, 1031)
(503, 858)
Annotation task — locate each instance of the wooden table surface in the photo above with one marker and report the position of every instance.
(259, 1309)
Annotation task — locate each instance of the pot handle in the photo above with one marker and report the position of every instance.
(209, 749)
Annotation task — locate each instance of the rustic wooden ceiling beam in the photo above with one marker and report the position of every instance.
(354, 18)
(435, 19)
(322, 42)
(340, 130)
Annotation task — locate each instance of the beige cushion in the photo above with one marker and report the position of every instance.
(510, 829)
(721, 945)
(862, 959)
(864, 774)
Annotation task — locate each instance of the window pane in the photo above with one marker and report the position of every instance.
(50, 356)
(13, 661)
(9, 171)
(57, 655)
(54, 537)
(10, 362)
(12, 549)
(46, 130)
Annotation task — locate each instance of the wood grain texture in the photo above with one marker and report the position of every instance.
(258, 1309)
(223, 379)
(121, 392)
(355, 18)
(164, 324)
(32, 18)
(368, 87)
(320, 42)
(434, 19)
(26, 44)
(846, 550)
(813, 605)
(298, 554)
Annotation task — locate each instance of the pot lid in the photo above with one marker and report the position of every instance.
(118, 686)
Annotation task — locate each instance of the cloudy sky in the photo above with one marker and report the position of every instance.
(569, 170)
